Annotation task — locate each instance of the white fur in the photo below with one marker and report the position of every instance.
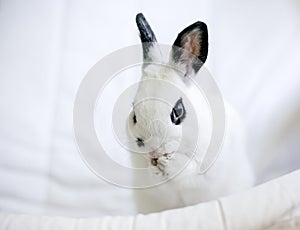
(230, 173)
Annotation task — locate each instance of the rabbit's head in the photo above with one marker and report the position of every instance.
(155, 122)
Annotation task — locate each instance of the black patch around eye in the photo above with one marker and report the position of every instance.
(134, 118)
(178, 112)
(140, 142)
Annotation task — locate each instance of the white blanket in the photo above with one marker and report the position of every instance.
(249, 210)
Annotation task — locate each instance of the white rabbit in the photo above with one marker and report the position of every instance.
(156, 128)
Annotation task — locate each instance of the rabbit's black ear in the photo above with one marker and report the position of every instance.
(150, 47)
(190, 48)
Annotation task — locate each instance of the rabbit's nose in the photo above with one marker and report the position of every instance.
(153, 154)
(157, 153)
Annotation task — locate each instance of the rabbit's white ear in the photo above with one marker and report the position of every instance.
(151, 49)
(189, 51)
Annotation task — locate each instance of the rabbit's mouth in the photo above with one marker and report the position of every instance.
(160, 163)
(154, 161)
(155, 158)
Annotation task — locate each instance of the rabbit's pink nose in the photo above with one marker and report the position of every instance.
(153, 154)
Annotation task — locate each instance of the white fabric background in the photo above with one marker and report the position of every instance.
(46, 47)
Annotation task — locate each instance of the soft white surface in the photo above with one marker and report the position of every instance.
(249, 210)
(46, 47)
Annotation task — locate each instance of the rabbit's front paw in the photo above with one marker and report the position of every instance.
(159, 166)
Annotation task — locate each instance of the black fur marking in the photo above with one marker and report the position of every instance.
(134, 118)
(146, 34)
(140, 142)
(203, 41)
(178, 112)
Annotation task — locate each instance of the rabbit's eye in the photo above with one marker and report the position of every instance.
(134, 118)
(178, 112)
(140, 142)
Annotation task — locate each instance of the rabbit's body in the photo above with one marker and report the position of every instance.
(162, 125)
(230, 173)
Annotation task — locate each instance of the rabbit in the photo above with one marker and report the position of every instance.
(155, 128)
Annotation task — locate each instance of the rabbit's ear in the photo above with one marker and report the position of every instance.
(190, 48)
(150, 47)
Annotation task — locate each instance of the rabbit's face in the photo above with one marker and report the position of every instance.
(152, 130)
(155, 124)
